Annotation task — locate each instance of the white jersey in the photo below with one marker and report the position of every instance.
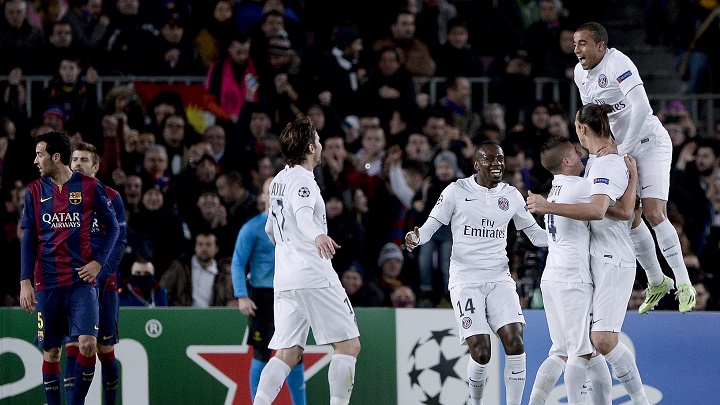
(297, 262)
(479, 218)
(610, 238)
(608, 83)
(568, 257)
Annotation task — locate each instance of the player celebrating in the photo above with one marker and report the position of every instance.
(484, 296)
(612, 260)
(606, 76)
(85, 160)
(308, 292)
(59, 263)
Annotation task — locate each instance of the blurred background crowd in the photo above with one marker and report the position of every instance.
(200, 90)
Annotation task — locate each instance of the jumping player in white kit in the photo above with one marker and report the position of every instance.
(484, 296)
(606, 76)
(308, 292)
(612, 259)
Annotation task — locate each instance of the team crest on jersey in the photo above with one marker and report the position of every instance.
(75, 197)
(304, 192)
(41, 336)
(503, 203)
(466, 322)
(602, 81)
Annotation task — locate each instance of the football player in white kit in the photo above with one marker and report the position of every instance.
(612, 259)
(606, 76)
(308, 293)
(566, 282)
(484, 295)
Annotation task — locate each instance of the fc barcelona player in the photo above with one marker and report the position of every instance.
(58, 262)
(85, 159)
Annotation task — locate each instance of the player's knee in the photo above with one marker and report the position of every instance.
(87, 345)
(52, 355)
(603, 342)
(105, 348)
(480, 354)
(654, 215)
(262, 353)
(514, 346)
(350, 347)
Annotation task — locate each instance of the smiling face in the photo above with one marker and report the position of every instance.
(489, 164)
(588, 52)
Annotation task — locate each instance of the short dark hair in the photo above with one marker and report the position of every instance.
(233, 177)
(295, 139)
(56, 142)
(597, 32)
(552, 152)
(88, 147)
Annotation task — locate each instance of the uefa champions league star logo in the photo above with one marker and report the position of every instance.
(434, 364)
(602, 81)
(304, 192)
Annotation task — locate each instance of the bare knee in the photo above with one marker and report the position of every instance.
(604, 342)
(105, 348)
(291, 356)
(87, 345)
(654, 212)
(479, 348)
(511, 336)
(52, 355)
(350, 347)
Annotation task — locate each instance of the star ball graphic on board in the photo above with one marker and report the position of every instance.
(436, 360)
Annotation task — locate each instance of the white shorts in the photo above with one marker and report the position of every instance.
(613, 287)
(485, 307)
(654, 156)
(326, 310)
(567, 309)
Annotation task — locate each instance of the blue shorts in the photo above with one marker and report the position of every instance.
(66, 311)
(108, 318)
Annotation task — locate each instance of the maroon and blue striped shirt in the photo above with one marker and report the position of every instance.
(58, 223)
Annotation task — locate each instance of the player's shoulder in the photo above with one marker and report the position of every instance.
(111, 192)
(618, 60)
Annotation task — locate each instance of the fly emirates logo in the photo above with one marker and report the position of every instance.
(486, 230)
(63, 219)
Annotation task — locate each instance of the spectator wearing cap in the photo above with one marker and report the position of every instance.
(281, 79)
(54, 117)
(232, 82)
(390, 263)
(339, 73)
(361, 292)
(173, 54)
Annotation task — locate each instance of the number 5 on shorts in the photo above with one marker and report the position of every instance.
(40, 320)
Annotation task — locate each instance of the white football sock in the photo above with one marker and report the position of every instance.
(476, 381)
(599, 376)
(515, 370)
(575, 380)
(645, 253)
(547, 376)
(626, 371)
(341, 376)
(271, 381)
(669, 243)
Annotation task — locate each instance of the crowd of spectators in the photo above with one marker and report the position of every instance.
(388, 148)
